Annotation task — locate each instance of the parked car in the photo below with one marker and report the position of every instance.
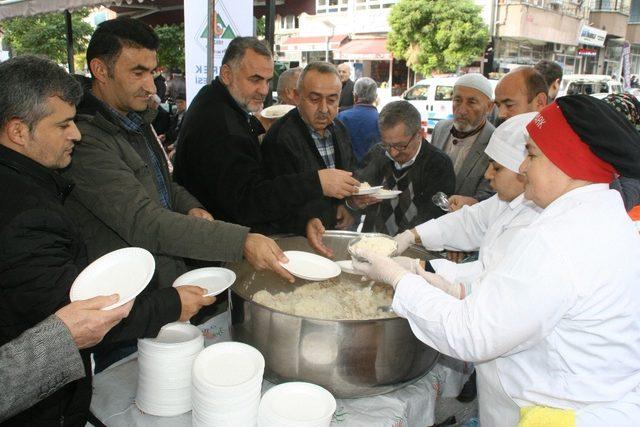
(595, 85)
(433, 98)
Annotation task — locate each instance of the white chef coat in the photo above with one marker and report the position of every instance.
(488, 226)
(557, 322)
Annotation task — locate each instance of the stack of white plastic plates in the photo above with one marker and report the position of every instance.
(296, 404)
(164, 369)
(227, 381)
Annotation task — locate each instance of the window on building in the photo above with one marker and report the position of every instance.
(289, 22)
(623, 6)
(330, 6)
(634, 16)
(374, 4)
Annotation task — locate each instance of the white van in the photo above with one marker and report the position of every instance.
(595, 85)
(433, 98)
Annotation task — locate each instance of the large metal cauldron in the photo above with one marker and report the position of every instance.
(349, 358)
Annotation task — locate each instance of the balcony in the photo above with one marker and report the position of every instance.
(543, 20)
(610, 15)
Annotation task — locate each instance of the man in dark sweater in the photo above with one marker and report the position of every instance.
(218, 157)
(404, 161)
(308, 139)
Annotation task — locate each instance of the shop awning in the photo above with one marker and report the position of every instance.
(364, 49)
(311, 44)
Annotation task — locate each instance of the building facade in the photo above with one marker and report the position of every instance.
(353, 31)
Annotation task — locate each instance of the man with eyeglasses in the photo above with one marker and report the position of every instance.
(403, 161)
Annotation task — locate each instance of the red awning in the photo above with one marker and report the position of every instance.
(310, 44)
(364, 49)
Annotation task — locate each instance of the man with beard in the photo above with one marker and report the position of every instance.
(218, 156)
(308, 139)
(465, 137)
(523, 90)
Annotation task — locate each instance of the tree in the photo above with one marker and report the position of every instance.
(436, 35)
(261, 24)
(171, 50)
(47, 34)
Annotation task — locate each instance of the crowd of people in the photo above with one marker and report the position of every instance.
(91, 165)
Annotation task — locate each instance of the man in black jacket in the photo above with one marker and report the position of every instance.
(41, 250)
(218, 157)
(346, 93)
(308, 139)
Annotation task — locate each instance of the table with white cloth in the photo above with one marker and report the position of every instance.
(114, 392)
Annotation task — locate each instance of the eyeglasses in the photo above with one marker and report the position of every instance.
(398, 147)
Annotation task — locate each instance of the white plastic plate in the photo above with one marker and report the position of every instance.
(214, 279)
(125, 272)
(310, 266)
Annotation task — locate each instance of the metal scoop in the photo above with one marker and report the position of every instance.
(442, 201)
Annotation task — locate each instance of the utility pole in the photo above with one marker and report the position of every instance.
(211, 34)
(67, 18)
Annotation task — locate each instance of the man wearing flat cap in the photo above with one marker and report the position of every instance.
(465, 137)
(554, 328)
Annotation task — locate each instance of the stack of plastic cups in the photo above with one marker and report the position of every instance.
(296, 404)
(164, 369)
(227, 383)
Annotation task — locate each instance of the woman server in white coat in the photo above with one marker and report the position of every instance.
(557, 323)
(487, 226)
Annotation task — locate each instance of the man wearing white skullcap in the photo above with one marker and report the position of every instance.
(487, 226)
(465, 137)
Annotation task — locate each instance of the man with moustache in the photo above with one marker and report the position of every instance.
(308, 139)
(465, 137)
(218, 157)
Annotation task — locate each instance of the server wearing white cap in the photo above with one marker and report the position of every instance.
(556, 325)
(487, 226)
(465, 137)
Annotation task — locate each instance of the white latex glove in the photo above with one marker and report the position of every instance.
(379, 268)
(456, 290)
(412, 265)
(404, 240)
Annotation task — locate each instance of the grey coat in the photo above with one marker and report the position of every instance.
(35, 364)
(115, 202)
(470, 178)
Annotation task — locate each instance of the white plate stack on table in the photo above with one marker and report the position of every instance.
(226, 385)
(296, 404)
(165, 365)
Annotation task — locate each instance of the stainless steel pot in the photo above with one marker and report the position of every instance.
(350, 358)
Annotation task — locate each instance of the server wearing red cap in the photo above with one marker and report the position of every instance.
(557, 323)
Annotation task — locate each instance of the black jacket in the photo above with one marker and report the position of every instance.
(288, 148)
(218, 160)
(346, 95)
(41, 253)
